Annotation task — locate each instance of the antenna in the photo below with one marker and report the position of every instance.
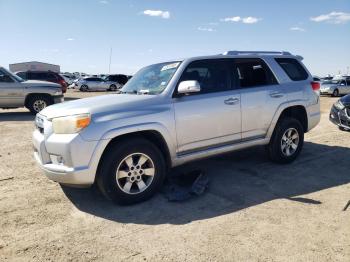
(110, 60)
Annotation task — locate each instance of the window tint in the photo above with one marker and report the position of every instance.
(254, 72)
(22, 75)
(292, 68)
(212, 75)
(50, 77)
(4, 78)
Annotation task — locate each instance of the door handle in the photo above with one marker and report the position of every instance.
(276, 94)
(231, 101)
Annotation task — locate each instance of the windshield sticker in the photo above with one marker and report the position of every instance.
(170, 66)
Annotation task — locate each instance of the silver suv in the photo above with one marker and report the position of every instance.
(32, 94)
(172, 113)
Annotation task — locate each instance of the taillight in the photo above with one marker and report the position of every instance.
(315, 86)
(64, 85)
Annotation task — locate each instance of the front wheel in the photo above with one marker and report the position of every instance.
(84, 88)
(37, 103)
(131, 171)
(287, 141)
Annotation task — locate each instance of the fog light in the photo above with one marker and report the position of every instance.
(57, 160)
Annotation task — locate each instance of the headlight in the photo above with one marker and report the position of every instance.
(339, 105)
(70, 124)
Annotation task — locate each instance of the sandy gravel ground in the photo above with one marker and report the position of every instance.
(253, 211)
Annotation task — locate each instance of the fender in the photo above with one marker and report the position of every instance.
(129, 129)
(279, 111)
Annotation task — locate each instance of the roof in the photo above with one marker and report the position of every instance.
(34, 62)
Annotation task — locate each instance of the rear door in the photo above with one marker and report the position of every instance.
(211, 117)
(260, 96)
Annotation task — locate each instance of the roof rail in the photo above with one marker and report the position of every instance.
(256, 53)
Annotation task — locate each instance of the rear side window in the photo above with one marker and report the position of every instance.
(51, 77)
(253, 73)
(292, 68)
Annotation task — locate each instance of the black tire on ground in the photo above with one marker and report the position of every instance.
(112, 88)
(115, 156)
(84, 88)
(38, 102)
(275, 150)
(335, 93)
(343, 129)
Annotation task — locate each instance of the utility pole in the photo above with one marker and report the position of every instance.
(110, 60)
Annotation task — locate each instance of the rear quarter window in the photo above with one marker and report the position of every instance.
(293, 68)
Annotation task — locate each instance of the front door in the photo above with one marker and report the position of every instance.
(212, 116)
(11, 92)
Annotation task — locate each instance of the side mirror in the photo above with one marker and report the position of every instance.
(189, 86)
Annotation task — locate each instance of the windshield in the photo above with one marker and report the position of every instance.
(152, 79)
(13, 75)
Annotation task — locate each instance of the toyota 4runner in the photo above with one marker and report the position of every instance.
(172, 113)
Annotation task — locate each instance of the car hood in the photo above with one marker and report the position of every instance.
(101, 106)
(345, 100)
(40, 83)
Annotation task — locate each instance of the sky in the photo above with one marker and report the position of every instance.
(79, 35)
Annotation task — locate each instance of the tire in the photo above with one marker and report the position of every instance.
(335, 93)
(37, 103)
(343, 129)
(84, 88)
(113, 88)
(120, 179)
(280, 148)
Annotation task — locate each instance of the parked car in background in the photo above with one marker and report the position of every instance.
(32, 94)
(44, 76)
(68, 78)
(116, 81)
(340, 113)
(176, 112)
(335, 87)
(92, 84)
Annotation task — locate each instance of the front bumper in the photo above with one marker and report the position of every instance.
(58, 99)
(76, 168)
(339, 117)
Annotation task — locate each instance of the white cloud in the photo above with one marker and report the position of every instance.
(104, 2)
(245, 20)
(296, 28)
(250, 20)
(70, 39)
(332, 18)
(207, 29)
(231, 19)
(159, 13)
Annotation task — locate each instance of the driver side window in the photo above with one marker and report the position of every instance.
(212, 75)
(4, 78)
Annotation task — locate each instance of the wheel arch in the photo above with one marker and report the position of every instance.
(31, 95)
(152, 135)
(295, 110)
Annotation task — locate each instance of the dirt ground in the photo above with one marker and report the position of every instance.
(254, 210)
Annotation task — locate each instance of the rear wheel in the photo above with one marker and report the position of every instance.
(113, 88)
(287, 141)
(131, 171)
(37, 103)
(335, 93)
(84, 88)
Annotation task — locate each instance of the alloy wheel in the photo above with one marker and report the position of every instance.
(135, 173)
(39, 105)
(290, 142)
